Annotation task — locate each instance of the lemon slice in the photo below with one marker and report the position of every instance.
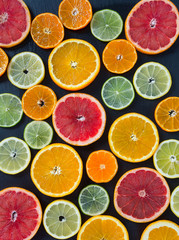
(174, 201)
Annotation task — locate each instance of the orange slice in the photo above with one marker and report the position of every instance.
(4, 61)
(167, 114)
(38, 102)
(47, 31)
(57, 170)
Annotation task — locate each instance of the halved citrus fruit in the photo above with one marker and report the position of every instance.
(4, 61)
(15, 21)
(57, 170)
(21, 214)
(79, 119)
(152, 26)
(174, 201)
(74, 64)
(141, 195)
(133, 137)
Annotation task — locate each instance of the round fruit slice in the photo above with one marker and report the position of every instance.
(101, 166)
(152, 26)
(4, 61)
(174, 201)
(74, 64)
(103, 227)
(79, 119)
(166, 158)
(10, 110)
(117, 93)
(106, 25)
(152, 80)
(61, 175)
(21, 214)
(15, 22)
(166, 114)
(38, 102)
(25, 70)
(141, 195)
(62, 219)
(38, 134)
(133, 137)
(93, 200)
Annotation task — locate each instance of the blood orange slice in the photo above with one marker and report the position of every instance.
(21, 214)
(152, 25)
(141, 195)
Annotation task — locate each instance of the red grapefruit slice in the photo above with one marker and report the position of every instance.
(141, 195)
(20, 214)
(15, 22)
(152, 25)
(79, 119)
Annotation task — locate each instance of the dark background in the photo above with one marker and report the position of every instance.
(169, 58)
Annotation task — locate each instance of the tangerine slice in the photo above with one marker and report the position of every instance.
(4, 61)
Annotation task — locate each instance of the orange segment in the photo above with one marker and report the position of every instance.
(3, 62)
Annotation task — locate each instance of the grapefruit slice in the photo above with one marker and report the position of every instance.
(15, 21)
(141, 195)
(152, 25)
(79, 119)
(21, 214)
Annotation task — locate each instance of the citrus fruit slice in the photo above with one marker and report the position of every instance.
(166, 114)
(161, 230)
(141, 195)
(38, 102)
(25, 70)
(38, 134)
(15, 22)
(106, 25)
(74, 64)
(79, 119)
(61, 219)
(4, 61)
(133, 137)
(103, 227)
(93, 200)
(117, 93)
(174, 201)
(119, 56)
(21, 214)
(152, 80)
(10, 110)
(152, 26)
(61, 175)
(75, 14)
(47, 31)
(166, 158)
(101, 166)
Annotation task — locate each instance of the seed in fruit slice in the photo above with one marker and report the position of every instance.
(62, 219)
(174, 201)
(152, 80)
(4, 61)
(10, 110)
(117, 93)
(79, 119)
(21, 214)
(141, 195)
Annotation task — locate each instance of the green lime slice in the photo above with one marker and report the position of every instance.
(38, 134)
(93, 200)
(62, 219)
(106, 25)
(25, 70)
(166, 158)
(14, 155)
(174, 201)
(10, 111)
(152, 80)
(117, 93)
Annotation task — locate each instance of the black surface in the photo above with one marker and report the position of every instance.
(139, 105)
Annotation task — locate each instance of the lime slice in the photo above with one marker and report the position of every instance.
(174, 201)
(117, 93)
(62, 219)
(166, 158)
(152, 80)
(106, 25)
(93, 200)
(38, 134)
(25, 70)
(14, 155)
(10, 110)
